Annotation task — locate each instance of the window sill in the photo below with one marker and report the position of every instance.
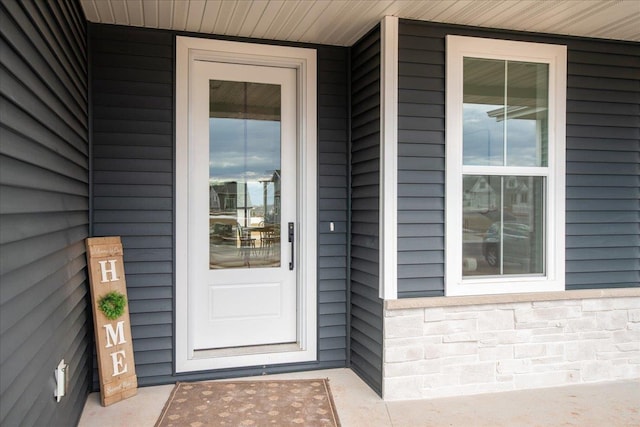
(430, 302)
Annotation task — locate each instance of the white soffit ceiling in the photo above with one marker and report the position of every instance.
(343, 22)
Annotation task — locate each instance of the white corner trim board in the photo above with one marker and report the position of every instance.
(389, 159)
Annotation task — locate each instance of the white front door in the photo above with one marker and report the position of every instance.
(246, 180)
(242, 197)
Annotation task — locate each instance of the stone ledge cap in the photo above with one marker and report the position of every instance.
(430, 302)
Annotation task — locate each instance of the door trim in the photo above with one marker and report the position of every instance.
(190, 49)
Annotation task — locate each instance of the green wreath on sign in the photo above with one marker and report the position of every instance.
(112, 305)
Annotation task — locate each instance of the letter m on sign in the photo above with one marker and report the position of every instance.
(116, 336)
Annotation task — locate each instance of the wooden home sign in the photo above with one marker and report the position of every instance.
(116, 367)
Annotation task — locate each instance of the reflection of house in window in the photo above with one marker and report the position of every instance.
(228, 197)
(271, 198)
(517, 193)
(478, 195)
(214, 200)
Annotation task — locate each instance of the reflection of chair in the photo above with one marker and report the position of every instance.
(267, 236)
(244, 237)
(221, 233)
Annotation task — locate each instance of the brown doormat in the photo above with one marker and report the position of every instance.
(280, 403)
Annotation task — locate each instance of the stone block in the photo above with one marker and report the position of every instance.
(547, 314)
(447, 362)
(613, 355)
(403, 326)
(546, 360)
(606, 304)
(546, 379)
(554, 329)
(612, 320)
(461, 315)
(449, 327)
(634, 315)
(410, 341)
(402, 388)
(496, 320)
(629, 303)
(434, 314)
(504, 378)
(596, 371)
(502, 352)
(461, 337)
(517, 366)
(625, 371)
(554, 364)
(408, 312)
(558, 337)
(626, 335)
(441, 380)
(459, 349)
(433, 351)
(499, 337)
(469, 308)
(595, 335)
(521, 351)
(598, 304)
(478, 373)
(531, 325)
(403, 354)
(580, 350)
(556, 303)
(628, 346)
(583, 324)
(419, 367)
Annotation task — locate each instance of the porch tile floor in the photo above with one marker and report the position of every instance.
(602, 404)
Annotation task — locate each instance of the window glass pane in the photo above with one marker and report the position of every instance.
(244, 175)
(484, 96)
(527, 112)
(503, 225)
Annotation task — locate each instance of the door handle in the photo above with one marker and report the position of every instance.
(291, 243)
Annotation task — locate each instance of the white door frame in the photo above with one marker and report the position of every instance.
(304, 62)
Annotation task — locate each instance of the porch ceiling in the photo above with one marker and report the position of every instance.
(343, 22)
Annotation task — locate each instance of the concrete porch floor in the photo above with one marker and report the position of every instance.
(602, 404)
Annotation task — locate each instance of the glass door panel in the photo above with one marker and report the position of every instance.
(244, 175)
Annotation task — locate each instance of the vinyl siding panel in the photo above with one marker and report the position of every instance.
(133, 176)
(333, 155)
(366, 306)
(602, 170)
(133, 194)
(44, 212)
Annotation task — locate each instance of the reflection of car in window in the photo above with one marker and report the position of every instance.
(516, 245)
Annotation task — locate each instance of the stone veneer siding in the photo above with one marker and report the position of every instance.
(437, 347)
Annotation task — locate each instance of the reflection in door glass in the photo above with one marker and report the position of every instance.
(244, 175)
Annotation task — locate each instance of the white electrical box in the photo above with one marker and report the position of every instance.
(62, 376)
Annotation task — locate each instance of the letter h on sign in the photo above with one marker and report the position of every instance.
(111, 271)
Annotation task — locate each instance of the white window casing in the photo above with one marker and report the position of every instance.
(553, 278)
(304, 61)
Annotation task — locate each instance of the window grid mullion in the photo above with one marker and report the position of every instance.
(505, 106)
(505, 170)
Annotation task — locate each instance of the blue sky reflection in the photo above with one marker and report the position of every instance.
(243, 150)
(483, 138)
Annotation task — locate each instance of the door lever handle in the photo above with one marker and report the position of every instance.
(292, 243)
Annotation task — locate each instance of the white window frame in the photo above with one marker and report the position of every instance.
(555, 56)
